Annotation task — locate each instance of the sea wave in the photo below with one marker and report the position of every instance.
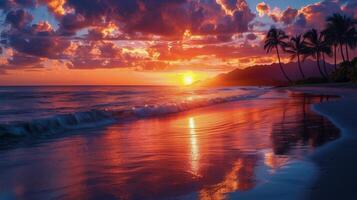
(96, 117)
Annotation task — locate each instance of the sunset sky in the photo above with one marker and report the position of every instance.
(144, 41)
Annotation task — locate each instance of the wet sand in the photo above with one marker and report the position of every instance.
(337, 160)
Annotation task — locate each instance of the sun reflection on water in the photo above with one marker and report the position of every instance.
(194, 147)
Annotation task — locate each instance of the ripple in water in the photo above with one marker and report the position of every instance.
(204, 153)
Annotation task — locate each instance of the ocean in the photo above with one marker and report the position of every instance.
(153, 142)
(37, 110)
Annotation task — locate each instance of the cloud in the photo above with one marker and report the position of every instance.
(251, 36)
(57, 7)
(20, 61)
(289, 15)
(71, 23)
(31, 41)
(277, 15)
(163, 18)
(263, 9)
(37, 42)
(7, 5)
(149, 35)
(87, 30)
(314, 15)
(307, 17)
(23, 60)
(350, 7)
(18, 19)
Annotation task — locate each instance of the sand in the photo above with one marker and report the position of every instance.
(337, 160)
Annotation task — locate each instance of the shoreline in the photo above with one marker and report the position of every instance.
(316, 176)
(336, 160)
(239, 167)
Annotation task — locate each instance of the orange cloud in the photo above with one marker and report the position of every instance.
(56, 6)
(263, 9)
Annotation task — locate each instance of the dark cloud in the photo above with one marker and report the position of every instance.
(36, 42)
(215, 21)
(289, 15)
(7, 5)
(314, 15)
(97, 54)
(85, 38)
(251, 36)
(18, 18)
(71, 23)
(23, 60)
(301, 21)
(161, 17)
(350, 7)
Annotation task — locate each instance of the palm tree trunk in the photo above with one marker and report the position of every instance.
(343, 56)
(325, 69)
(281, 66)
(348, 57)
(318, 65)
(299, 64)
(324, 62)
(335, 54)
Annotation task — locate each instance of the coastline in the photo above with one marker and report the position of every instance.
(337, 160)
(315, 176)
(197, 136)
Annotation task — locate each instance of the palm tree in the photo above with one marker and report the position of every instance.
(350, 41)
(276, 38)
(326, 50)
(343, 30)
(332, 39)
(317, 48)
(353, 44)
(296, 48)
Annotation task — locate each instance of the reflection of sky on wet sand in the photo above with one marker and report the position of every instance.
(207, 152)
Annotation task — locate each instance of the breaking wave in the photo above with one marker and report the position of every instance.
(94, 117)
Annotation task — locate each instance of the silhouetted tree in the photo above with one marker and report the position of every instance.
(296, 48)
(316, 47)
(276, 38)
(332, 40)
(342, 30)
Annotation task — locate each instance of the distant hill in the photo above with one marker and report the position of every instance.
(269, 75)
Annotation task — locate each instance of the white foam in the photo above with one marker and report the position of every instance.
(94, 117)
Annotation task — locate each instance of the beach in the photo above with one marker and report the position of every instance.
(178, 99)
(245, 145)
(337, 160)
(259, 143)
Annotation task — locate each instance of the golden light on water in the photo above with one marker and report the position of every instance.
(194, 146)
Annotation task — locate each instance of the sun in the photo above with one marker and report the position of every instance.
(187, 78)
